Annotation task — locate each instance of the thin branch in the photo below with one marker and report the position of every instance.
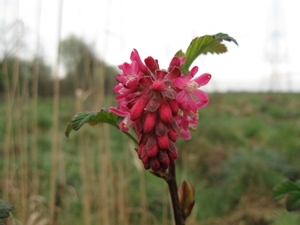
(171, 180)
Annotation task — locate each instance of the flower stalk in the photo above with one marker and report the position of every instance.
(172, 184)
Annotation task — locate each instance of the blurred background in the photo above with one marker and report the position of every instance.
(60, 57)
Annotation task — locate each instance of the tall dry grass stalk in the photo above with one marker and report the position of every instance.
(84, 147)
(104, 186)
(8, 130)
(35, 75)
(104, 159)
(55, 142)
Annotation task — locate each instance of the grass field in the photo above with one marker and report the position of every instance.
(245, 144)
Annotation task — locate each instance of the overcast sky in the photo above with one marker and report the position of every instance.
(161, 27)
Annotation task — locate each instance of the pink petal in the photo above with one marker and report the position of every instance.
(185, 134)
(151, 63)
(118, 111)
(174, 73)
(202, 98)
(192, 103)
(136, 57)
(175, 62)
(160, 74)
(192, 73)
(181, 97)
(179, 82)
(145, 82)
(126, 68)
(203, 79)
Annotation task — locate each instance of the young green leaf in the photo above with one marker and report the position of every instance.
(203, 45)
(224, 37)
(104, 116)
(284, 188)
(5, 209)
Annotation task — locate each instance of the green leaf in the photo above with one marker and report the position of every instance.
(284, 188)
(293, 200)
(5, 209)
(202, 45)
(93, 118)
(224, 37)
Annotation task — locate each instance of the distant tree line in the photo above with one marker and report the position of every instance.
(83, 70)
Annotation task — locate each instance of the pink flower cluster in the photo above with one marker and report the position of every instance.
(160, 105)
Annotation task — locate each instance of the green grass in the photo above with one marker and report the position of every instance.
(245, 144)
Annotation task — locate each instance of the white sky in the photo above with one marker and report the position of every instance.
(161, 27)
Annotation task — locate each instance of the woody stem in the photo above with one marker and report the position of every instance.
(171, 180)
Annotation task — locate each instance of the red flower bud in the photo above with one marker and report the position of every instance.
(145, 159)
(163, 158)
(163, 141)
(174, 107)
(152, 151)
(165, 112)
(138, 108)
(154, 164)
(147, 166)
(157, 86)
(172, 134)
(173, 155)
(150, 121)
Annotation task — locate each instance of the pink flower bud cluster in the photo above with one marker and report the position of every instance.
(160, 105)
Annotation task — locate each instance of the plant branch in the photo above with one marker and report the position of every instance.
(171, 180)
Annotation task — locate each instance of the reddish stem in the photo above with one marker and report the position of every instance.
(171, 180)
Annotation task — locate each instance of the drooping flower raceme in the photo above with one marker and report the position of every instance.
(160, 105)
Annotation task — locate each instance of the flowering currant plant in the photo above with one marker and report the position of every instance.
(160, 106)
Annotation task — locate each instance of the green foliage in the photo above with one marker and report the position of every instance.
(5, 209)
(83, 68)
(292, 191)
(203, 45)
(25, 68)
(239, 148)
(93, 118)
(286, 218)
